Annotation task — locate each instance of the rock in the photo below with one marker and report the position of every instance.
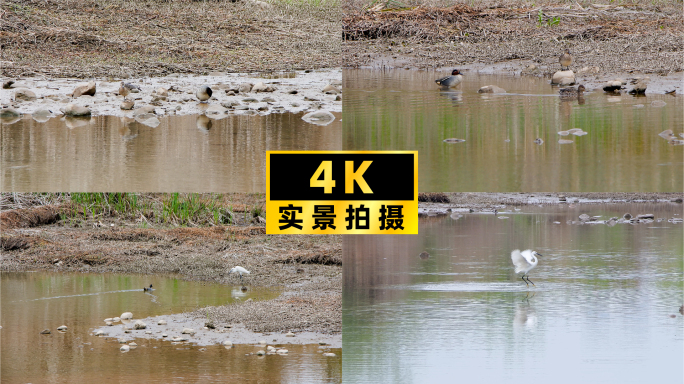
(161, 91)
(646, 216)
(45, 332)
(260, 352)
(612, 86)
(127, 105)
(261, 87)
(658, 103)
(140, 325)
(116, 319)
(188, 331)
(640, 87)
(126, 316)
(148, 332)
(331, 90)
(87, 89)
(165, 335)
(24, 94)
(584, 217)
(76, 110)
(125, 348)
(319, 117)
(133, 344)
(109, 323)
(144, 109)
(560, 75)
(41, 115)
(531, 70)
(215, 110)
(245, 87)
(107, 319)
(329, 354)
(7, 84)
(250, 100)
(282, 351)
(9, 112)
(227, 343)
(262, 108)
(289, 334)
(562, 141)
(99, 333)
(491, 89)
(268, 100)
(62, 328)
(161, 322)
(563, 133)
(293, 92)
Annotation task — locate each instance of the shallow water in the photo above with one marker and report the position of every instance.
(32, 302)
(405, 110)
(600, 311)
(182, 154)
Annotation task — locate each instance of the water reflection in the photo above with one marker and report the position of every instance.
(33, 301)
(403, 110)
(152, 153)
(601, 309)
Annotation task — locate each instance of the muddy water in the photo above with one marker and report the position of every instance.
(182, 154)
(32, 302)
(600, 312)
(405, 110)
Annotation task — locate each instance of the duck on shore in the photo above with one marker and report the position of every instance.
(450, 81)
(565, 59)
(126, 88)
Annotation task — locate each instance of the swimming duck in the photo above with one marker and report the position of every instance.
(204, 93)
(451, 81)
(572, 92)
(148, 289)
(565, 59)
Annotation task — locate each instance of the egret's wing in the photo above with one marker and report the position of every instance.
(519, 261)
(529, 256)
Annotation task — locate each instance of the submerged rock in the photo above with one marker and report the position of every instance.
(424, 255)
(45, 332)
(491, 89)
(9, 112)
(62, 328)
(562, 141)
(319, 117)
(41, 115)
(453, 140)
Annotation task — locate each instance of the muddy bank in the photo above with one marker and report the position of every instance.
(488, 202)
(232, 93)
(615, 39)
(306, 268)
(87, 39)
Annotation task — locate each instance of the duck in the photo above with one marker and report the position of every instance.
(127, 88)
(572, 92)
(450, 81)
(565, 59)
(146, 289)
(204, 93)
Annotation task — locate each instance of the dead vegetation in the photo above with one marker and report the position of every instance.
(626, 36)
(121, 39)
(433, 197)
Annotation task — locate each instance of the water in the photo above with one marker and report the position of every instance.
(405, 110)
(32, 302)
(600, 311)
(182, 154)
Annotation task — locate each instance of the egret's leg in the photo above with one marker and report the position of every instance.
(523, 279)
(528, 279)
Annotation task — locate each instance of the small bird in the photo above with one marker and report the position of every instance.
(148, 289)
(565, 59)
(450, 81)
(524, 262)
(204, 93)
(127, 88)
(424, 255)
(239, 270)
(571, 92)
(539, 141)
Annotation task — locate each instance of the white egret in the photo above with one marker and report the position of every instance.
(239, 270)
(524, 262)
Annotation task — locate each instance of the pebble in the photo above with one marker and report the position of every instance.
(331, 90)
(62, 328)
(245, 87)
(127, 105)
(125, 348)
(260, 353)
(563, 78)
(282, 351)
(140, 325)
(491, 89)
(161, 322)
(99, 333)
(165, 335)
(45, 332)
(76, 110)
(9, 112)
(261, 87)
(86, 89)
(329, 354)
(289, 334)
(188, 331)
(227, 343)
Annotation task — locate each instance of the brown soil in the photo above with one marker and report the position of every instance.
(308, 267)
(116, 38)
(642, 36)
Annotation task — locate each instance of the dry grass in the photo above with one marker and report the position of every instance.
(620, 36)
(117, 38)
